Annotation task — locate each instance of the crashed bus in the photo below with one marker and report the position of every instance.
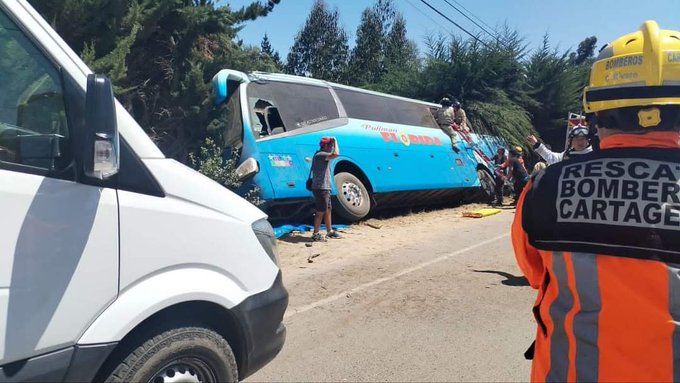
(393, 152)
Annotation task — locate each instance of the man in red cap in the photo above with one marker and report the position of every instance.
(321, 186)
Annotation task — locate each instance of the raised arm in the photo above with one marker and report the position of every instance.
(336, 150)
(549, 156)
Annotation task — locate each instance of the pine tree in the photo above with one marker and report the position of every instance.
(161, 57)
(268, 52)
(487, 77)
(584, 52)
(320, 47)
(401, 62)
(555, 84)
(366, 63)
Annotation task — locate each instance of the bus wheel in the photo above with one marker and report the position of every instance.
(487, 191)
(352, 201)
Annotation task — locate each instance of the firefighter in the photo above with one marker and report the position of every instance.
(444, 118)
(599, 235)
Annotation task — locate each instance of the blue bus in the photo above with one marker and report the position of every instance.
(392, 151)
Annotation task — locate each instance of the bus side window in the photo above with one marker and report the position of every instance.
(274, 120)
(263, 124)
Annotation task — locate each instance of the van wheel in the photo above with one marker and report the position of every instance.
(487, 191)
(352, 201)
(186, 354)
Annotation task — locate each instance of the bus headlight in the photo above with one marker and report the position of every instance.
(247, 169)
(265, 235)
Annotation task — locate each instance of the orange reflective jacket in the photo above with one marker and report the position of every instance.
(599, 237)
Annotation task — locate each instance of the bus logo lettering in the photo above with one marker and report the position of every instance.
(408, 139)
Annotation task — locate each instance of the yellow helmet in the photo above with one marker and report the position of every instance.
(641, 68)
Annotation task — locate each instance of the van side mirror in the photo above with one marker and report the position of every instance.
(101, 157)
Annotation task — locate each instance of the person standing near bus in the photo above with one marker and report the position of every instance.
(606, 260)
(321, 186)
(516, 172)
(498, 160)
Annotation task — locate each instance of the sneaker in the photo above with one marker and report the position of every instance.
(333, 234)
(316, 237)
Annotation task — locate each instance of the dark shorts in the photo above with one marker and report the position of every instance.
(322, 199)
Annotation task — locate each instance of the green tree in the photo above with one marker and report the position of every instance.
(486, 76)
(584, 52)
(366, 62)
(555, 84)
(161, 56)
(402, 65)
(269, 53)
(320, 49)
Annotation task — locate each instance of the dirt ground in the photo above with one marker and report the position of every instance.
(375, 235)
(422, 296)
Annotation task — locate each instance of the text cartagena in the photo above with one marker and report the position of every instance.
(620, 192)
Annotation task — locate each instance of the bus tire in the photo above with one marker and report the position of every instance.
(487, 190)
(352, 201)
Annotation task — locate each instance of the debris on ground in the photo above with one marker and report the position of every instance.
(374, 223)
(310, 259)
(481, 213)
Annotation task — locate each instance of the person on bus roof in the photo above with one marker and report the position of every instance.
(444, 117)
(460, 118)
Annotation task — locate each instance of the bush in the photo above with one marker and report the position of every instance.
(211, 163)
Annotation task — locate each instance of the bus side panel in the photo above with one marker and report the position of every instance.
(404, 158)
(286, 169)
(393, 157)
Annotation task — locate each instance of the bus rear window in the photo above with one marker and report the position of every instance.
(277, 107)
(366, 106)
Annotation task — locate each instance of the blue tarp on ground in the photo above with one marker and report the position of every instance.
(282, 230)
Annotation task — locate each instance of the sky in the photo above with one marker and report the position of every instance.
(566, 22)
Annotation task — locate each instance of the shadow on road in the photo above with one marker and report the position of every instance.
(298, 238)
(510, 280)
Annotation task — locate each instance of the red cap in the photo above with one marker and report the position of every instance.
(325, 140)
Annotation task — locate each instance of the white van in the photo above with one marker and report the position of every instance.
(116, 263)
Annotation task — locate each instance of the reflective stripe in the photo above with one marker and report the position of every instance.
(559, 343)
(586, 319)
(674, 309)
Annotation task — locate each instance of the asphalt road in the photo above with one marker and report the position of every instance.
(449, 308)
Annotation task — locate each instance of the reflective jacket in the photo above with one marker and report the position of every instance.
(599, 238)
